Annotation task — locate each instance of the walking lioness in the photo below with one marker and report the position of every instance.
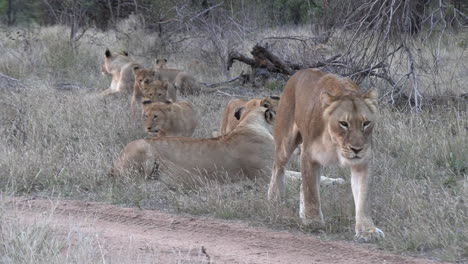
(333, 120)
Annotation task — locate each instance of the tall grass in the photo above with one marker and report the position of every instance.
(59, 142)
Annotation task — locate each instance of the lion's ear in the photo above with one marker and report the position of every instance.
(108, 53)
(165, 85)
(266, 103)
(326, 99)
(269, 116)
(371, 98)
(238, 112)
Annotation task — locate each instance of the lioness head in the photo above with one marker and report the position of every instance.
(160, 64)
(156, 91)
(156, 117)
(143, 76)
(255, 114)
(270, 102)
(349, 121)
(109, 57)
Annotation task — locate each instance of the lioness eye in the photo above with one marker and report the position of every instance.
(343, 124)
(366, 123)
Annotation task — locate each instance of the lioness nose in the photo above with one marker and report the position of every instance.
(355, 150)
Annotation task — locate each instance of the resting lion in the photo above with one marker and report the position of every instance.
(169, 119)
(120, 66)
(245, 152)
(183, 81)
(148, 86)
(333, 119)
(229, 121)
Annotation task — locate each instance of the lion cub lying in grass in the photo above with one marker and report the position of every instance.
(245, 152)
(169, 119)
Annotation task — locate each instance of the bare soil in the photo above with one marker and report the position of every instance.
(172, 236)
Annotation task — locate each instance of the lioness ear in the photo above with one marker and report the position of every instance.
(269, 116)
(274, 97)
(136, 68)
(125, 53)
(371, 98)
(326, 99)
(168, 102)
(108, 53)
(266, 103)
(165, 60)
(165, 85)
(238, 112)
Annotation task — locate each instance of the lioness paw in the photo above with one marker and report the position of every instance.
(369, 235)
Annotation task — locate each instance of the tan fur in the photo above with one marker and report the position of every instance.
(119, 66)
(169, 119)
(148, 86)
(185, 83)
(247, 149)
(245, 152)
(229, 121)
(331, 117)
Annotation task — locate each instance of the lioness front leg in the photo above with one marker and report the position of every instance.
(365, 228)
(310, 208)
(284, 147)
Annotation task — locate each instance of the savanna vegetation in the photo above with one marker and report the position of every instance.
(59, 137)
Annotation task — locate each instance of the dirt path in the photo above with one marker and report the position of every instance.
(170, 235)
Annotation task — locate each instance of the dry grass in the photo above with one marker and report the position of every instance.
(58, 142)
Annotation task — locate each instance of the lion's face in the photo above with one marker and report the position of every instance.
(155, 116)
(349, 122)
(143, 76)
(155, 91)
